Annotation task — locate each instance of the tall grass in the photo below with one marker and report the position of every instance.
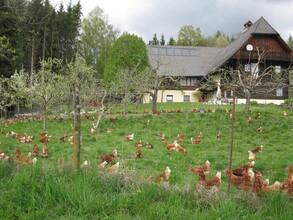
(35, 194)
(41, 192)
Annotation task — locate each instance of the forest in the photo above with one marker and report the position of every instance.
(36, 30)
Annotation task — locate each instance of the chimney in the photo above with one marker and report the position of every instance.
(247, 25)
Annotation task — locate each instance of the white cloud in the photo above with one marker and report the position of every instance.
(146, 17)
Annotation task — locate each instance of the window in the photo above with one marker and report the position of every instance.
(189, 81)
(183, 82)
(150, 98)
(193, 81)
(254, 69)
(169, 98)
(247, 67)
(277, 69)
(186, 98)
(279, 92)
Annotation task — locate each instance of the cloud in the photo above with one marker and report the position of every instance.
(146, 17)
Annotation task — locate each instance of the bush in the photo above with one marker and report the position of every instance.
(253, 103)
(288, 101)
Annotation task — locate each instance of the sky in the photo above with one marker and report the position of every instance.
(147, 17)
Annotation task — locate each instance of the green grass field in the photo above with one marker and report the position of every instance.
(41, 192)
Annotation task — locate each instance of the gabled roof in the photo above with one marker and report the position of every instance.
(261, 26)
(181, 60)
(200, 61)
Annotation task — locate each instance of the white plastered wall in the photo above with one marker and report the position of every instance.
(177, 96)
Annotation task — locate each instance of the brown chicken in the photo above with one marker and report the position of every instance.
(170, 147)
(130, 137)
(179, 140)
(257, 149)
(258, 187)
(62, 139)
(239, 170)
(35, 150)
(276, 186)
(219, 135)
(149, 145)
(243, 182)
(138, 152)
(138, 144)
(113, 168)
(205, 168)
(182, 135)
(285, 113)
(93, 131)
(163, 177)
(5, 157)
(20, 159)
(162, 136)
(45, 151)
(194, 110)
(251, 156)
(109, 157)
(290, 172)
(200, 135)
(203, 182)
(259, 129)
(112, 119)
(102, 165)
(248, 120)
(195, 141)
(257, 116)
(180, 148)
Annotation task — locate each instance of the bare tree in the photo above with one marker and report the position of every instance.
(80, 79)
(45, 88)
(260, 80)
(159, 81)
(130, 85)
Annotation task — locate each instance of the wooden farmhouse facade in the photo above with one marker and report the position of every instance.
(192, 65)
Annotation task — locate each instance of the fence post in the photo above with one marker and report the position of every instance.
(232, 143)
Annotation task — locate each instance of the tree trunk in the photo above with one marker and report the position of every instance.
(45, 117)
(99, 119)
(101, 112)
(247, 103)
(76, 129)
(154, 101)
(32, 73)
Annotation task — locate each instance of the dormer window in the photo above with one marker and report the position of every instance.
(254, 69)
(277, 69)
(247, 67)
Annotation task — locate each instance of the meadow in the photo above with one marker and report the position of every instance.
(41, 192)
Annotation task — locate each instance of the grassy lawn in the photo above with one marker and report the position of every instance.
(41, 192)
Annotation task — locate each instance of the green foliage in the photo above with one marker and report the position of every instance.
(171, 42)
(219, 39)
(128, 52)
(162, 41)
(189, 36)
(288, 101)
(35, 30)
(155, 40)
(253, 103)
(97, 37)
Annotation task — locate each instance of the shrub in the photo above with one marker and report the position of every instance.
(253, 103)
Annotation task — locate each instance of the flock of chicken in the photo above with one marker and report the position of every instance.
(242, 177)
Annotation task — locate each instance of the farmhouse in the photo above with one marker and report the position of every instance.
(192, 65)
